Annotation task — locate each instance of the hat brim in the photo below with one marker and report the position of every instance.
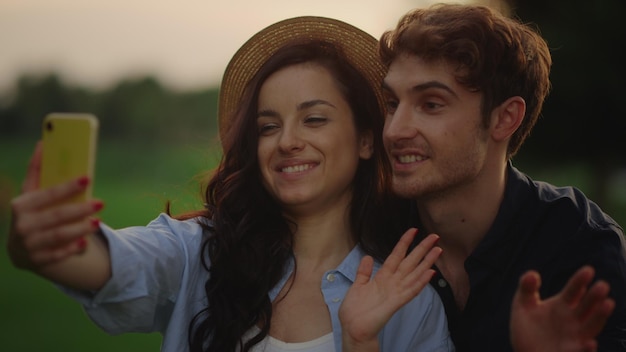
(360, 48)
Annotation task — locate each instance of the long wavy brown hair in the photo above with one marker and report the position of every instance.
(249, 241)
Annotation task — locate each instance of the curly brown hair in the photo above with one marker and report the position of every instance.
(493, 54)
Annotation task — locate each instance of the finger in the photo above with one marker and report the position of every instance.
(37, 221)
(412, 285)
(422, 273)
(399, 251)
(364, 272)
(598, 317)
(38, 199)
(527, 293)
(422, 281)
(594, 297)
(430, 258)
(31, 182)
(577, 285)
(60, 236)
(418, 254)
(56, 254)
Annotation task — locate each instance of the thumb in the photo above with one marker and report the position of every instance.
(364, 272)
(31, 182)
(527, 293)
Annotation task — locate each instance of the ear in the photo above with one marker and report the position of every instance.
(507, 118)
(366, 145)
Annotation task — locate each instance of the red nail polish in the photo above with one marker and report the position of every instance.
(82, 243)
(97, 205)
(95, 223)
(83, 181)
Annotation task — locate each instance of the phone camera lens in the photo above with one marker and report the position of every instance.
(49, 126)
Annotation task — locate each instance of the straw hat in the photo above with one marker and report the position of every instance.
(360, 48)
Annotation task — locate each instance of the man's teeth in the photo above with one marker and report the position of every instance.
(296, 168)
(405, 159)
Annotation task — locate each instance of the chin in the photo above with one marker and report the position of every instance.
(405, 190)
(293, 200)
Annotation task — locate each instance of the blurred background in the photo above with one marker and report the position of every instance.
(150, 71)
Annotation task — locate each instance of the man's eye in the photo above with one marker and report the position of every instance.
(391, 106)
(432, 105)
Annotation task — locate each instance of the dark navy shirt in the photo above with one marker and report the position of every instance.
(554, 230)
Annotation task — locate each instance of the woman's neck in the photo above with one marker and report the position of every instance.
(323, 240)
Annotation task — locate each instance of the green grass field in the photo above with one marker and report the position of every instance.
(134, 180)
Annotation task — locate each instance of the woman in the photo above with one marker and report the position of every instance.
(281, 258)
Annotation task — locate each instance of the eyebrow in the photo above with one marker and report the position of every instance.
(312, 103)
(425, 86)
(302, 106)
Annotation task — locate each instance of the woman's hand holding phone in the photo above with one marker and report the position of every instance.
(46, 227)
(52, 227)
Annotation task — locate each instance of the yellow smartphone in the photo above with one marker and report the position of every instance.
(69, 149)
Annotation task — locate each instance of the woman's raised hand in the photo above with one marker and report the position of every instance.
(371, 301)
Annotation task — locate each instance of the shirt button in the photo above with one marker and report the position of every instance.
(442, 283)
(330, 277)
(335, 300)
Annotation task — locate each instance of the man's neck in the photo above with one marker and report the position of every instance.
(463, 217)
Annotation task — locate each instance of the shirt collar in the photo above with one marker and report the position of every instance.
(348, 268)
(508, 229)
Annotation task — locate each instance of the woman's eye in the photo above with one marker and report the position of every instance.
(267, 128)
(315, 120)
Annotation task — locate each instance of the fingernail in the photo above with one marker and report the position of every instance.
(95, 223)
(97, 205)
(82, 243)
(83, 181)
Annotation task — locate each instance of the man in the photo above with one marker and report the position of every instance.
(464, 88)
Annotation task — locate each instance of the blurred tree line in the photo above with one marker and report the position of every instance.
(134, 110)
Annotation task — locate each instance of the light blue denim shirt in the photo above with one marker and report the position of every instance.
(157, 284)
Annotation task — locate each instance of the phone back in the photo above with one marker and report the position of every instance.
(69, 143)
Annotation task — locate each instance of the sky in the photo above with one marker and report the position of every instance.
(184, 43)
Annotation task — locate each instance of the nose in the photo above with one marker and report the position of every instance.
(400, 124)
(290, 139)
